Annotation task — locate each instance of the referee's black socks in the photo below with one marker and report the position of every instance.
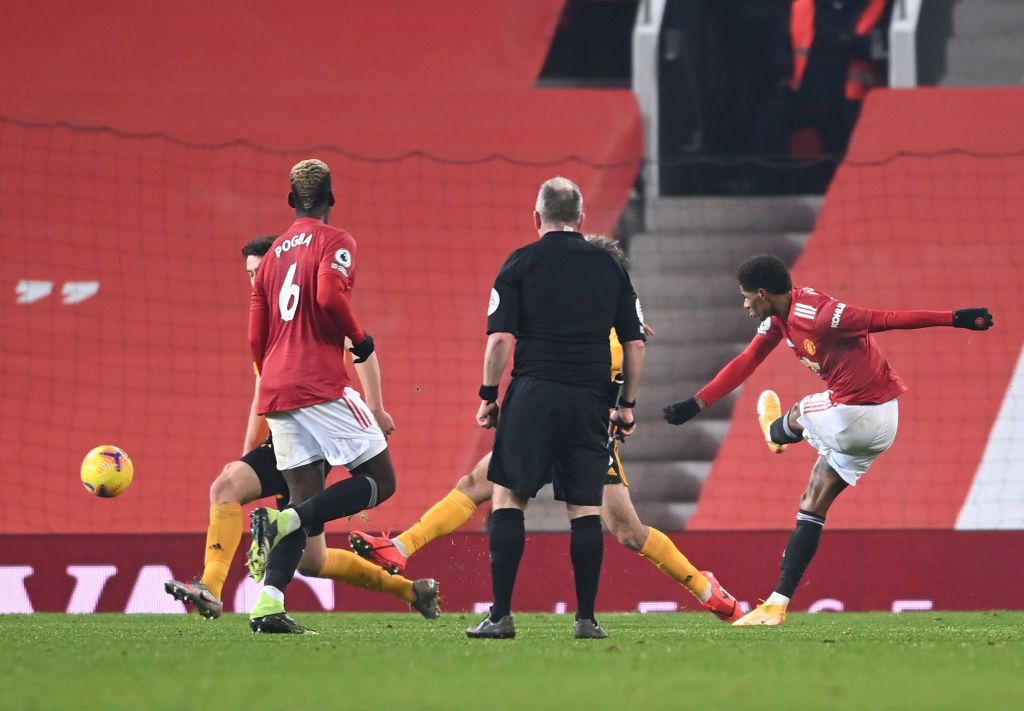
(508, 536)
(586, 548)
(803, 544)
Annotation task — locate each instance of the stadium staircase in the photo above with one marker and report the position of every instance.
(683, 267)
(985, 46)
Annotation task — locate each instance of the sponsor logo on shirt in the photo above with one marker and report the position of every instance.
(495, 300)
(838, 315)
(300, 240)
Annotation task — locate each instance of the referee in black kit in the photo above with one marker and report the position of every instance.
(557, 299)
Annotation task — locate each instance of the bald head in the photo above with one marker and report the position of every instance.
(559, 203)
(311, 185)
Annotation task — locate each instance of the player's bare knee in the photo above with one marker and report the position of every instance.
(476, 486)
(224, 489)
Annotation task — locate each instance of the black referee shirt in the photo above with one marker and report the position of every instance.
(561, 296)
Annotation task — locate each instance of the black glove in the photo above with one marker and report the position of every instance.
(362, 350)
(976, 319)
(679, 412)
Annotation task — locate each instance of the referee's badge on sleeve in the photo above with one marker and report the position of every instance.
(492, 305)
(640, 312)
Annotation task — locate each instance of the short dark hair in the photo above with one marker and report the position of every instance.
(765, 271)
(258, 247)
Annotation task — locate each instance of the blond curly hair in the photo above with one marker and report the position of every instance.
(311, 181)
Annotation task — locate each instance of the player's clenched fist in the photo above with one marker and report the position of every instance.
(976, 319)
(679, 412)
(487, 415)
(384, 421)
(623, 423)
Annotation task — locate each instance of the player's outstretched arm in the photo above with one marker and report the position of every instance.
(728, 379)
(848, 320)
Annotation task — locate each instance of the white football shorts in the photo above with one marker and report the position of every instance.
(850, 437)
(344, 432)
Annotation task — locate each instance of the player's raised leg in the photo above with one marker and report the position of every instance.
(236, 485)
(333, 563)
(778, 431)
(441, 519)
(621, 518)
(825, 485)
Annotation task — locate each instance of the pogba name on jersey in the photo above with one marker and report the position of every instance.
(300, 240)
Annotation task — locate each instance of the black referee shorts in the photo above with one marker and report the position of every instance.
(272, 483)
(552, 432)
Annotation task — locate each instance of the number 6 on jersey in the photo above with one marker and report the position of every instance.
(288, 300)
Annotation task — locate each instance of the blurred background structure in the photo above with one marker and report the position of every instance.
(874, 145)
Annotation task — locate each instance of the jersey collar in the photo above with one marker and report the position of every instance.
(792, 303)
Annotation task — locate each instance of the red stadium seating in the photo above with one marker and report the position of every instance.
(156, 362)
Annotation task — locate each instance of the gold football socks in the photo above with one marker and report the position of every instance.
(441, 519)
(222, 539)
(348, 567)
(660, 550)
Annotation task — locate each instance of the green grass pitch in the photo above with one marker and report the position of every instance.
(934, 660)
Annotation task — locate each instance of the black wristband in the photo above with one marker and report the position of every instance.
(489, 393)
(623, 402)
(362, 350)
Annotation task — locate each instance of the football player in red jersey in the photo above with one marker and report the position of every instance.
(300, 317)
(850, 424)
(255, 475)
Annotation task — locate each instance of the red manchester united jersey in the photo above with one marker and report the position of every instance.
(833, 340)
(300, 315)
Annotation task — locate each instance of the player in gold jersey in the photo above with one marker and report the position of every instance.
(617, 512)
